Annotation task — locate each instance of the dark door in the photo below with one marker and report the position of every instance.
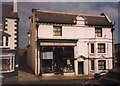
(80, 67)
(58, 60)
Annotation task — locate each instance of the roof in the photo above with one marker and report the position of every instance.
(2, 33)
(47, 17)
(7, 11)
(68, 18)
(6, 34)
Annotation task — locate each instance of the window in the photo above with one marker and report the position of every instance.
(47, 59)
(101, 65)
(92, 64)
(1, 39)
(57, 30)
(1, 43)
(6, 64)
(68, 60)
(98, 32)
(92, 48)
(6, 41)
(101, 47)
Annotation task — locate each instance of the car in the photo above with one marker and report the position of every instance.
(99, 75)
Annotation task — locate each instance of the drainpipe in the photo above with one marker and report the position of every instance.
(113, 56)
(37, 25)
(88, 59)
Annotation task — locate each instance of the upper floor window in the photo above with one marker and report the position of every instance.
(98, 32)
(101, 47)
(1, 39)
(1, 43)
(57, 30)
(92, 48)
(6, 41)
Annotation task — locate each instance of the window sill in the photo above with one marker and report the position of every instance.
(4, 47)
(6, 71)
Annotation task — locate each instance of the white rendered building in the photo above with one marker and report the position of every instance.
(69, 44)
(9, 40)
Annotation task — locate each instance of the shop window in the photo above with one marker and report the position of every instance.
(57, 30)
(47, 60)
(101, 65)
(68, 60)
(6, 64)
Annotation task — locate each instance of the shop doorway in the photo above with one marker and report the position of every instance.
(58, 60)
(80, 67)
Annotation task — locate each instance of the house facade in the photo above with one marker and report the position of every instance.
(69, 44)
(117, 54)
(9, 40)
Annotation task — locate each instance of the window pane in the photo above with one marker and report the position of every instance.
(98, 32)
(57, 30)
(101, 64)
(92, 64)
(7, 64)
(101, 47)
(92, 48)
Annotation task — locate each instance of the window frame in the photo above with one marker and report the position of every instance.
(101, 48)
(98, 31)
(11, 65)
(7, 41)
(92, 65)
(92, 48)
(101, 64)
(57, 30)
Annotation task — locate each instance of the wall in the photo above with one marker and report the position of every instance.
(31, 48)
(11, 29)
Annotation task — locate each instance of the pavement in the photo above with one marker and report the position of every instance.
(27, 77)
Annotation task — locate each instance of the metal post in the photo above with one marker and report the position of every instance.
(88, 59)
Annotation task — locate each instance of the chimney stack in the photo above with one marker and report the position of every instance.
(15, 6)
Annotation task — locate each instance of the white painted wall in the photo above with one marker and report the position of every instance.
(85, 35)
(11, 30)
(68, 32)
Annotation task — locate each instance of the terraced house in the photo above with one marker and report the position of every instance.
(69, 44)
(9, 39)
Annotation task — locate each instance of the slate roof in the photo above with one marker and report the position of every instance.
(68, 18)
(5, 34)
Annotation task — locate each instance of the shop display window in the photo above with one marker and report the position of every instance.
(6, 64)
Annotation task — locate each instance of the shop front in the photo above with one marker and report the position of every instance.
(7, 61)
(57, 58)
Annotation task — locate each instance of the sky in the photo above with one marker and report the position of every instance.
(24, 11)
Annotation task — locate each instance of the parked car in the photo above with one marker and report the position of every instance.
(99, 75)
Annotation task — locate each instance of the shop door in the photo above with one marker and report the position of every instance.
(58, 60)
(80, 67)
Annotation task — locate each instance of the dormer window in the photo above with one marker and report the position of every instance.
(57, 30)
(98, 32)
